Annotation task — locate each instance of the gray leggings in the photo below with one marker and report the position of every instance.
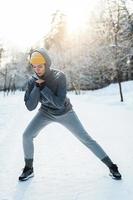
(70, 121)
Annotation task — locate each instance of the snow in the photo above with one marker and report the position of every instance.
(64, 168)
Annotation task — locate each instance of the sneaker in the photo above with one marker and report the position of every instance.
(26, 174)
(114, 172)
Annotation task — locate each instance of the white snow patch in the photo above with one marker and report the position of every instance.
(64, 168)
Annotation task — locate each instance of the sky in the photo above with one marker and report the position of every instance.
(24, 22)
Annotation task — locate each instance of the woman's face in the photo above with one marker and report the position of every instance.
(39, 69)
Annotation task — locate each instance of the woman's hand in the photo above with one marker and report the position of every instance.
(40, 83)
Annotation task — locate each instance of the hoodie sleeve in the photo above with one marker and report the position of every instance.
(32, 96)
(58, 99)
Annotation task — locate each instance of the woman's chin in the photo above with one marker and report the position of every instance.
(39, 75)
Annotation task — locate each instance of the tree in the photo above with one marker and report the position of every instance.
(58, 30)
(118, 13)
(1, 53)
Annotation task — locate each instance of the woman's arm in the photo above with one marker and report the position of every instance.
(32, 95)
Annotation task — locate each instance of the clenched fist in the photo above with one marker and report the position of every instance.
(40, 83)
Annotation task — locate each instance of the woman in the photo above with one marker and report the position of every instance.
(48, 86)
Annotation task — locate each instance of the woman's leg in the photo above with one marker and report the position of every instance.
(35, 126)
(73, 124)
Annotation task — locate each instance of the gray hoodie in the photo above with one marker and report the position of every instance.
(52, 97)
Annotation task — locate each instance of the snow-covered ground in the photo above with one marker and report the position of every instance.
(64, 168)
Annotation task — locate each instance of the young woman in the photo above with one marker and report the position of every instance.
(48, 86)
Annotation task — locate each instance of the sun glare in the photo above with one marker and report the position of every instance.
(28, 23)
(78, 13)
(76, 20)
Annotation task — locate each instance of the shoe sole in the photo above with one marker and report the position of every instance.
(25, 179)
(116, 178)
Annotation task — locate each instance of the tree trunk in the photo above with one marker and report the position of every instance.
(120, 89)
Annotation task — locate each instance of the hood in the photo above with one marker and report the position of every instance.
(45, 54)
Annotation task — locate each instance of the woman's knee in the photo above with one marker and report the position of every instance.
(28, 134)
